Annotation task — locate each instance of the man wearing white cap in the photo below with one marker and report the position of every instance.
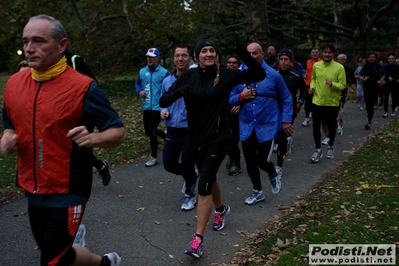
(148, 87)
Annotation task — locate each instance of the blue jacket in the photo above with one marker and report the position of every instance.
(177, 111)
(151, 82)
(271, 107)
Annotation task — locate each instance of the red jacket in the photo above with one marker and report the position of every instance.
(42, 113)
(309, 70)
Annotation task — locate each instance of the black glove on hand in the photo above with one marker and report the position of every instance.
(241, 49)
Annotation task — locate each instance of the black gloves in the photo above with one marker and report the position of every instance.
(241, 49)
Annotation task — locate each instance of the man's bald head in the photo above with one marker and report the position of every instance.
(256, 51)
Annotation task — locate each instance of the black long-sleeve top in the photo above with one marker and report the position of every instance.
(350, 75)
(207, 116)
(295, 82)
(393, 72)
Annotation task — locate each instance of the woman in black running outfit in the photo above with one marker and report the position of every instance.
(206, 91)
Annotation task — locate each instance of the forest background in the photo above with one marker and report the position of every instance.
(113, 35)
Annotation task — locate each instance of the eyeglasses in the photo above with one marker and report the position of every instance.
(232, 62)
(181, 55)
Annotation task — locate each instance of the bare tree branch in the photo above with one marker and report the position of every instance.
(350, 36)
(114, 16)
(235, 25)
(127, 14)
(74, 6)
(381, 12)
(323, 22)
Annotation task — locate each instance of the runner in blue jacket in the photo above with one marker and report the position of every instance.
(148, 87)
(177, 156)
(266, 108)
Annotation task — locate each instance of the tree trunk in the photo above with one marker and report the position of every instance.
(256, 27)
(361, 36)
(338, 21)
(361, 46)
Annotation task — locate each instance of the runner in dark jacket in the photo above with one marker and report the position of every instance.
(206, 91)
(391, 85)
(372, 75)
(295, 82)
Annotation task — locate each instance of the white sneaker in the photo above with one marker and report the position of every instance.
(290, 140)
(257, 196)
(340, 131)
(279, 170)
(330, 153)
(114, 257)
(393, 114)
(307, 122)
(275, 183)
(325, 141)
(151, 161)
(189, 203)
(80, 236)
(316, 156)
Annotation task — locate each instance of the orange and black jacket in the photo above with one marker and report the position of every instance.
(42, 113)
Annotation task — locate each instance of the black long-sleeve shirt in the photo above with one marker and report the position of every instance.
(295, 82)
(393, 72)
(208, 120)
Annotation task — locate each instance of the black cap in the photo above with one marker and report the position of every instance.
(202, 43)
(285, 52)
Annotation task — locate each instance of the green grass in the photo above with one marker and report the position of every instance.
(125, 101)
(338, 209)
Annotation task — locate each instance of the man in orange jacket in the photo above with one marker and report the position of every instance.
(308, 77)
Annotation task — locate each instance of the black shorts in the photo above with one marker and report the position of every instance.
(54, 230)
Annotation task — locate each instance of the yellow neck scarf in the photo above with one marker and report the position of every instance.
(51, 73)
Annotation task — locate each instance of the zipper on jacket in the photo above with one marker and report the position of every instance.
(151, 91)
(34, 137)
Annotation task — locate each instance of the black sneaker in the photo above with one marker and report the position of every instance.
(105, 174)
(235, 170)
(367, 126)
(229, 163)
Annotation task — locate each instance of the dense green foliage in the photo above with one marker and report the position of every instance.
(113, 36)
